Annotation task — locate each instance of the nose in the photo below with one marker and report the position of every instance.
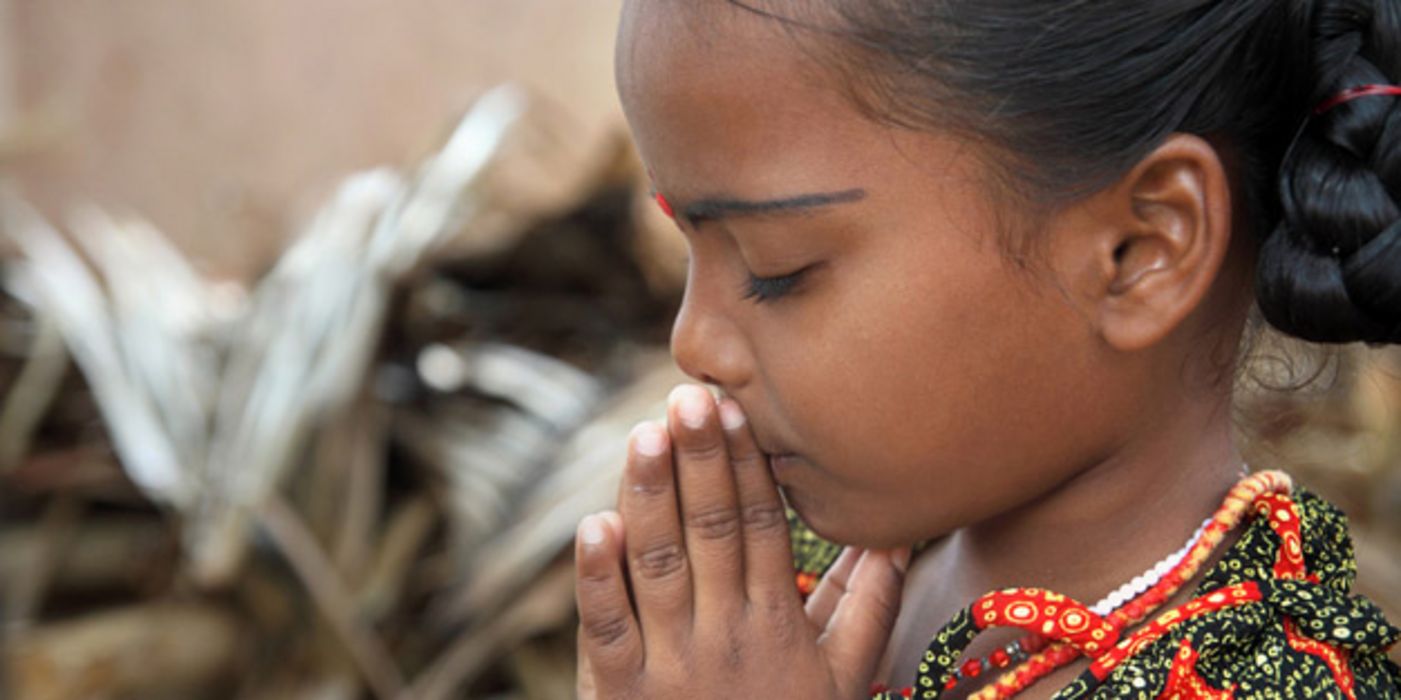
(706, 344)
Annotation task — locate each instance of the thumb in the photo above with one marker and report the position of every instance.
(859, 629)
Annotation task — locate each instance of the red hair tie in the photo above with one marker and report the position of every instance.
(1351, 94)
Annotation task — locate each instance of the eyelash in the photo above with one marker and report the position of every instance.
(765, 289)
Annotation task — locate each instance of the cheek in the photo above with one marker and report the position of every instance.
(925, 380)
(910, 336)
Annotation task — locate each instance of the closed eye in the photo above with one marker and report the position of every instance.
(763, 289)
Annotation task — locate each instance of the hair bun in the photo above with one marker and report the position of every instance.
(1331, 270)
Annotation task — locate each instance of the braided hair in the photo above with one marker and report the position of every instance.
(1331, 269)
(1070, 94)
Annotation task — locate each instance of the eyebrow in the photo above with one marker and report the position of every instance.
(720, 208)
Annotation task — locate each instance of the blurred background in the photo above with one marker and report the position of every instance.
(323, 323)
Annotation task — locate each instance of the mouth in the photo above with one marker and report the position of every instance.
(780, 463)
(773, 455)
(777, 456)
(770, 448)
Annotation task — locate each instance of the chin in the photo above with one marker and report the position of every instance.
(841, 527)
(811, 516)
(824, 520)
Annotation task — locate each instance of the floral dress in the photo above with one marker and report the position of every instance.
(1274, 618)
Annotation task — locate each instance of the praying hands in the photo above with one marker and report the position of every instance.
(688, 590)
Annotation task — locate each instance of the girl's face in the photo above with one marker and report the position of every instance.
(923, 382)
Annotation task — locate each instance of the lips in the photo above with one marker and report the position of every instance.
(779, 463)
(770, 448)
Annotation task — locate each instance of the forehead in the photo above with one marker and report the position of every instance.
(671, 35)
(719, 96)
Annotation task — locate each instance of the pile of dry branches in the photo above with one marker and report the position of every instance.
(359, 477)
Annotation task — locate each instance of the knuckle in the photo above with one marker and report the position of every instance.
(660, 561)
(839, 585)
(779, 617)
(748, 459)
(647, 478)
(651, 489)
(607, 632)
(714, 524)
(770, 606)
(734, 653)
(722, 647)
(765, 518)
(884, 608)
(703, 450)
(593, 576)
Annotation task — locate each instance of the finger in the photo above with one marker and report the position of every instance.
(831, 588)
(610, 636)
(709, 503)
(584, 687)
(768, 555)
(860, 626)
(656, 551)
(615, 525)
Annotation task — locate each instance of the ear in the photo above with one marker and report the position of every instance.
(1150, 246)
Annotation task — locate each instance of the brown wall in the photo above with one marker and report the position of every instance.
(221, 121)
(7, 74)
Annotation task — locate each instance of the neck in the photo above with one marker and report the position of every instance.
(1117, 517)
(1097, 530)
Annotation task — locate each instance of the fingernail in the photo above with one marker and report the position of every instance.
(649, 439)
(730, 415)
(901, 559)
(692, 404)
(591, 531)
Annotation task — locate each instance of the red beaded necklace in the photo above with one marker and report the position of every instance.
(1084, 632)
(1022, 649)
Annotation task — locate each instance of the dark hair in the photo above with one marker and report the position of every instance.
(1073, 93)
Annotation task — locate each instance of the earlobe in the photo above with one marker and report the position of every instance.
(1170, 225)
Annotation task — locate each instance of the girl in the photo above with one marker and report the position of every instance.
(971, 279)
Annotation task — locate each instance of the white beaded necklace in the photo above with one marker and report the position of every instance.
(1141, 583)
(1015, 653)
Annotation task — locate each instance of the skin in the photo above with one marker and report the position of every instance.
(1064, 426)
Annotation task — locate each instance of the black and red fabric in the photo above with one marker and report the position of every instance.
(1275, 617)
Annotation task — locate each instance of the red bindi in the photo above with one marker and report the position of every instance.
(665, 205)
